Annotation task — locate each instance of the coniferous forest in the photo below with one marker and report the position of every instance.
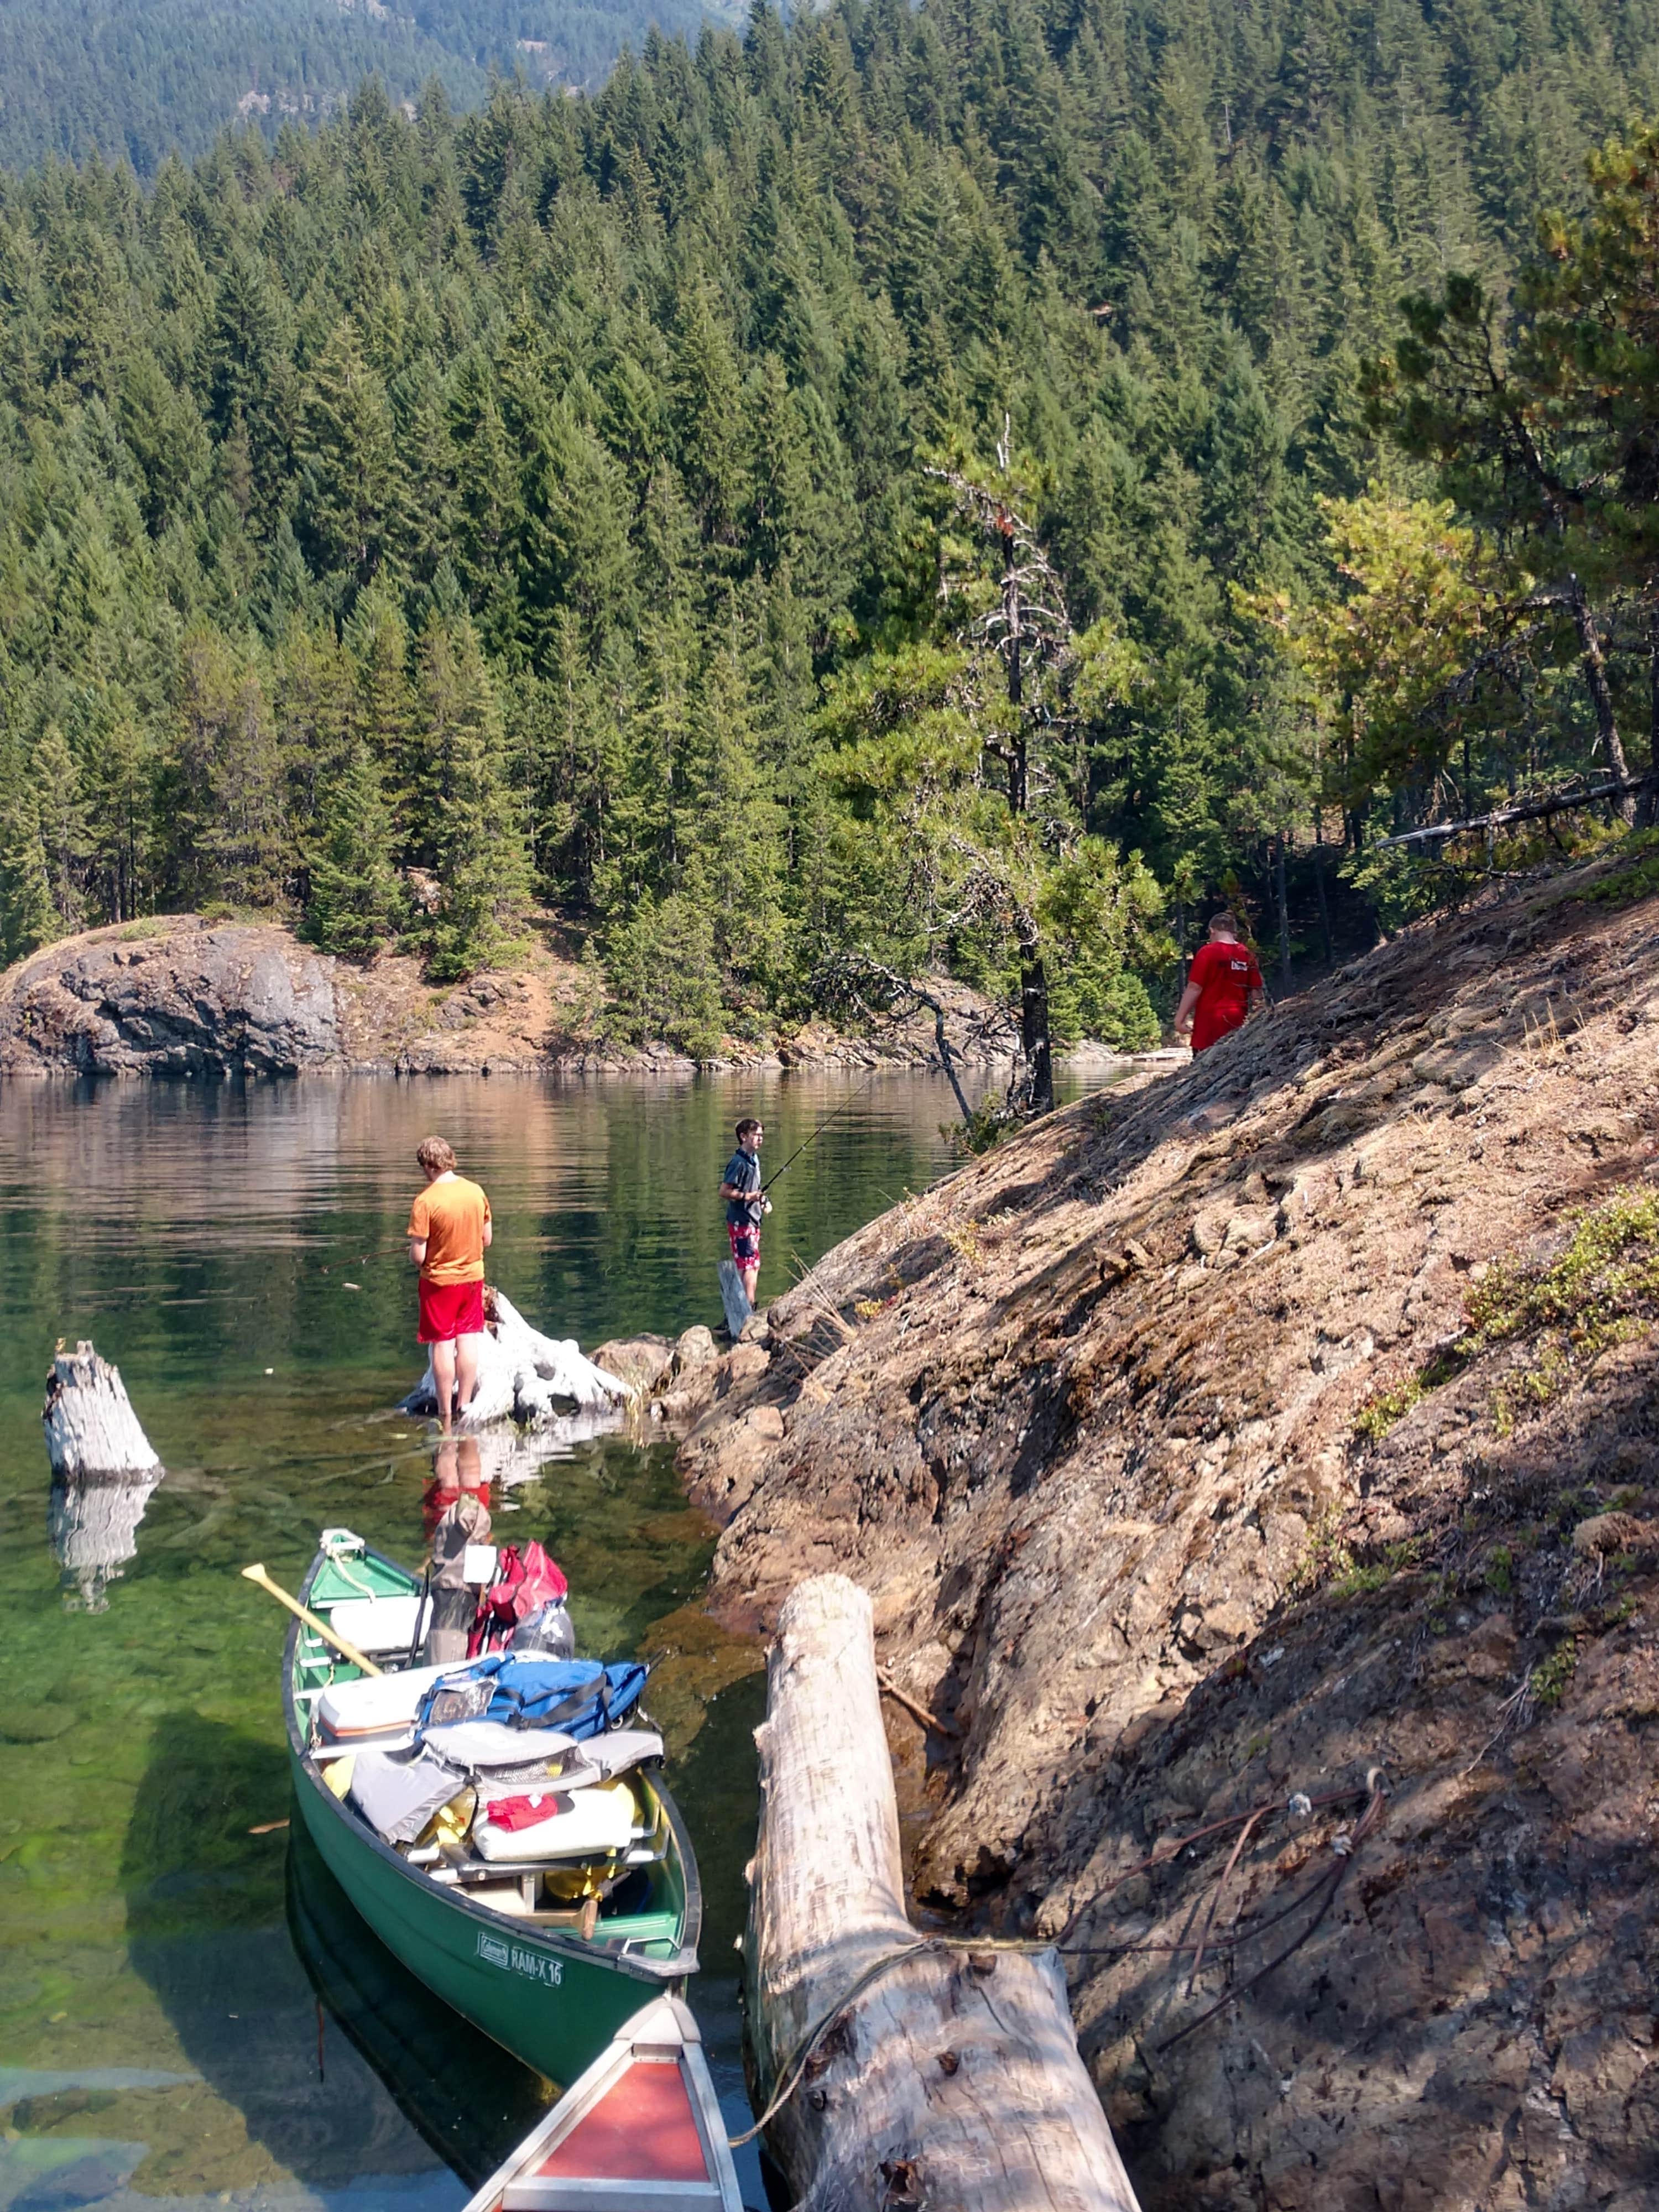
(953, 487)
(155, 77)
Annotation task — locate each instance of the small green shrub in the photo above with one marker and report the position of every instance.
(1381, 1413)
(1358, 1580)
(1600, 1291)
(1547, 1682)
(1637, 876)
(991, 1121)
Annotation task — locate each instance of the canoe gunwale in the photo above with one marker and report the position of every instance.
(658, 1972)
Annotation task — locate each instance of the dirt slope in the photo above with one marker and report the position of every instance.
(1185, 1484)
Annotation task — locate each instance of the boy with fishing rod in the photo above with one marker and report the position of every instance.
(746, 1202)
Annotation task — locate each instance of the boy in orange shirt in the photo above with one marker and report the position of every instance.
(449, 1229)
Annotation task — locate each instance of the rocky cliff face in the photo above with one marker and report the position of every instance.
(191, 999)
(1257, 1477)
(178, 996)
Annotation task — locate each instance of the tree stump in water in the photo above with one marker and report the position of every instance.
(949, 2078)
(90, 1426)
(102, 1474)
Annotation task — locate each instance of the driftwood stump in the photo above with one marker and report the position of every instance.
(91, 1428)
(102, 1474)
(521, 1375)
(952, 2079)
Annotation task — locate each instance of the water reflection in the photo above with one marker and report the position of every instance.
(92, 1524)
(463, 2095)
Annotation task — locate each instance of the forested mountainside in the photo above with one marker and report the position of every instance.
(624, 501)
(150, 77)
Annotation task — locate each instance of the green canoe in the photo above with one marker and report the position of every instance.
(547, 1994)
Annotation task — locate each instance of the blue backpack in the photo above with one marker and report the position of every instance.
(579, 1697)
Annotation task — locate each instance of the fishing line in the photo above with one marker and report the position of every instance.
(818, 1131)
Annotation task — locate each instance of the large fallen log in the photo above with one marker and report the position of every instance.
(947, 2075)
(524, 1376)
(90, 1426)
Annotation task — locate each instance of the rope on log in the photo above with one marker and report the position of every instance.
(928, 2072)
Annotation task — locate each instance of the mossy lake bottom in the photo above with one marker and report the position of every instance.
(185, 2001)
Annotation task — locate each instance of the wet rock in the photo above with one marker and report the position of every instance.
(644, 1363)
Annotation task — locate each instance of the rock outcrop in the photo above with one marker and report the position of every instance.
(188, 1001)
(1214, 1457)
(185, 997)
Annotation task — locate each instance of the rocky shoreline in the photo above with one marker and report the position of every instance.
(190, 998)
(1287, 1616)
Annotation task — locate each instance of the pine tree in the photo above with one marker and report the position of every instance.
(472, 822)
(355, 901)
(735, 844)
(61, 818)
(26, 917)
(349, 502)
(226, 833)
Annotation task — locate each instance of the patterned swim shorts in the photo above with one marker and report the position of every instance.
(745, 1238)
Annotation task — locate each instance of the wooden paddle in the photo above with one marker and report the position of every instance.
(257, 1574)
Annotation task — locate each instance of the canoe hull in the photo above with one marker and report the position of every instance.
(546, 1996)
(546, 2007)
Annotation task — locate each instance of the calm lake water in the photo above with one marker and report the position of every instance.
(239, 1255)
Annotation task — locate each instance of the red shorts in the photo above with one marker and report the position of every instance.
(1211, 1022)
(449, 1310)
(744, 1237)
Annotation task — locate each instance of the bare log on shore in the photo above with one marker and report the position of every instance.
(949, 2078)
(523, 1374)
(90, 1426)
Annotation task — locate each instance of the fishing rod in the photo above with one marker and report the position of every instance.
(818, 1131)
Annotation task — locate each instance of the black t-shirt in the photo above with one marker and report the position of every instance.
(742, 1171)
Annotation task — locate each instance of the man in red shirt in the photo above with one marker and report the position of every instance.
(1224, 986)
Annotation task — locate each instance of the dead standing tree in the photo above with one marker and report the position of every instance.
(1028, 629)
(870, 988)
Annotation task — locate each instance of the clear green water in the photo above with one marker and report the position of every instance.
(239, 1255)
